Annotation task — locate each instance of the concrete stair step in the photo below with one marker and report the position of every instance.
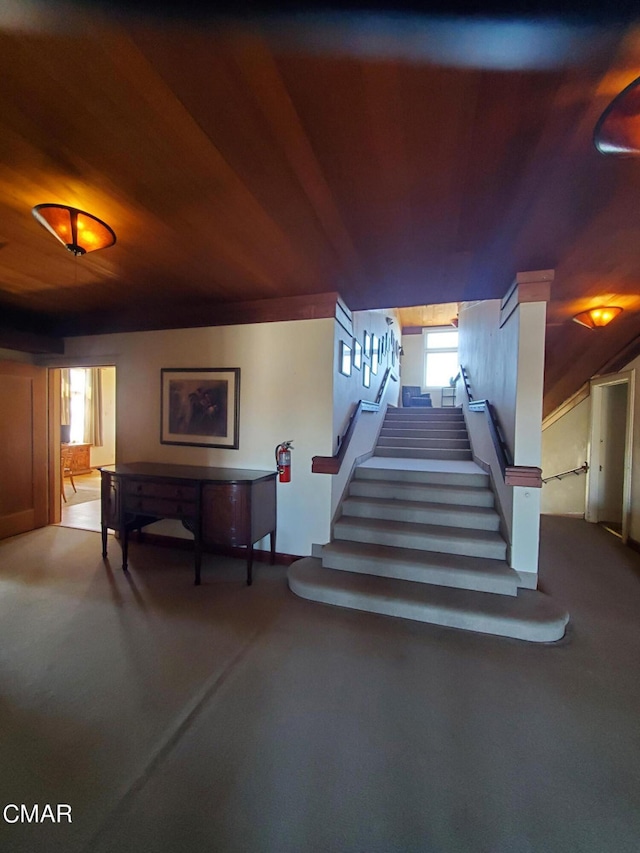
(388, 432)
(451, 443)
(409, 564)
(443, 493)
(422, 453)
(414, 512)
(476, 479)
(424, 537)
(530, 615)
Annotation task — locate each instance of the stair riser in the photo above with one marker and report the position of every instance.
(442, 545)
(420, 574)
(431, 615)
(444, 443)
(432, 493)
(422, 515)
(423, 433)
(439, 423)
(421, 453)
(392, 475)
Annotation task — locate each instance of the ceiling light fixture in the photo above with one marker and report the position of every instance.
(78, 231)
(595, 318)
(618, 128)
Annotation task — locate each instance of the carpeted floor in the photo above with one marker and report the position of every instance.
(225, 718)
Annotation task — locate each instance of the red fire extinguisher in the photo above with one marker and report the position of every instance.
(283, 460)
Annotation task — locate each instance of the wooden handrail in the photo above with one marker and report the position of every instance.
(465, 379)
(581, 470)
(502, 451)
(331, 464)
(383, 385)
(513, 475)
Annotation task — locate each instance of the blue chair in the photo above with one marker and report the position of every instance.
(411, 397)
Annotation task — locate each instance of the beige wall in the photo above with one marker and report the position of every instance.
(413, 360)
(505, 366)
(564, 447)
(348, 390)
(286, 392)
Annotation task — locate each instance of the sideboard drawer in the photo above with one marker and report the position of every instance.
(168, 491)
(143, 505)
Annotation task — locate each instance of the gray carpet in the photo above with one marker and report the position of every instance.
(227, 718)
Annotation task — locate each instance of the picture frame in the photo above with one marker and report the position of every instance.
(375, 353)
(357, 354)
(200, 406)
(345, 359)
(366, 375)
(366, 344)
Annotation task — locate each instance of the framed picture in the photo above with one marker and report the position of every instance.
(382, 343)
(366, 375)
(345, 359)
(366, 344)
(200, 406)
(357, 354)
(375, 352)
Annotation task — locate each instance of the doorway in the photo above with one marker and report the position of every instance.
(610, 446)
(88, 438)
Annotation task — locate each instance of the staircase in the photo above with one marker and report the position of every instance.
(419, 538)
(424, 434)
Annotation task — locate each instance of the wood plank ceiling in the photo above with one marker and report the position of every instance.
(235, 166)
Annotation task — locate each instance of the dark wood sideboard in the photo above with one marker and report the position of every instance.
(220, 506)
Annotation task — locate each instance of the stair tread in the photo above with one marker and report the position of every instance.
(434, 530)
(530, 615)
(426, 559)
(396, 503)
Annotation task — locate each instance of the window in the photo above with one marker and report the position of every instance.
(441, 357)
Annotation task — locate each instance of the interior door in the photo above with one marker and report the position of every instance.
(23, 448)
(612, 452)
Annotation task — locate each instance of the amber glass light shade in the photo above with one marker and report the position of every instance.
(595, 318)
(618, 128)
(78, 231)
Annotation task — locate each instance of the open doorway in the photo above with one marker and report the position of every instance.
(87, 441)
(609, 477)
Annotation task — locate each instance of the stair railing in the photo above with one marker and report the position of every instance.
(577, 471)
(332, 464)
(513, 475)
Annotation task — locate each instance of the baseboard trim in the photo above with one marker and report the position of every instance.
(223, 550)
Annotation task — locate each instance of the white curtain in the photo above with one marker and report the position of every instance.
(93, 407)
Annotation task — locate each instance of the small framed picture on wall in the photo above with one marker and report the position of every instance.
(366, 375)
(375, 352)
(357, 354)
(345, 359)
(366, 344)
